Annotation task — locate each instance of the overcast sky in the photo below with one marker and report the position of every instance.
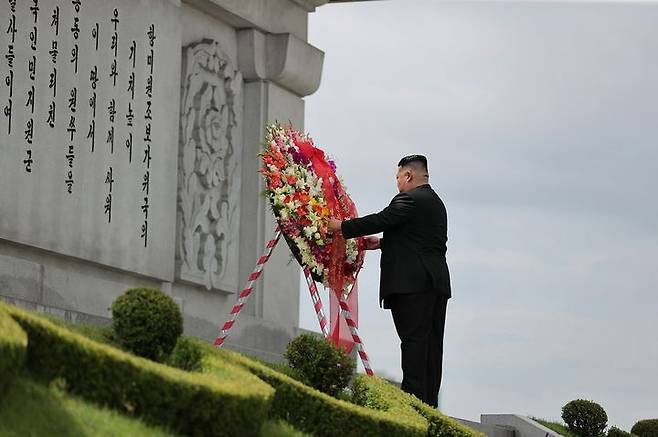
(540, 122)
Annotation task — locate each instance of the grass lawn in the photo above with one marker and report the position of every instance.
(280, 429)
(31, 409)
(558, 427)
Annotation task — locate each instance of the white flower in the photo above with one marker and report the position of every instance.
(306, 181)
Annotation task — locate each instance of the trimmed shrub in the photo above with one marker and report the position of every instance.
(281, 368)
(31, 409)
(364, 394)
(280, 429)
(381, 395)
(320, 364)
(13, 346)
(187, 355)
(585, 418)
(147, 322)
(317, 413)
(646, 428)
(189, 404)
(443, 426)
(616, 432)
(378, 393)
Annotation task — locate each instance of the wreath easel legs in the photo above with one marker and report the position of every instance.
(315, 297)
(244, 294)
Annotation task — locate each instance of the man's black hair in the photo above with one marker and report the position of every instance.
(419, 162)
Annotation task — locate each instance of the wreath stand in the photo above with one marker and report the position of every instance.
(315, 297)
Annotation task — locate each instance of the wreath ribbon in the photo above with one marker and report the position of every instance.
(341, 207)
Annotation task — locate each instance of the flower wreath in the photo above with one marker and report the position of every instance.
(304, 192)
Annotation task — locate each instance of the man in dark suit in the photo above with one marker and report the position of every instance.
(414, 282)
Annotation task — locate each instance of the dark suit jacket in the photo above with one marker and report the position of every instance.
(415, 227)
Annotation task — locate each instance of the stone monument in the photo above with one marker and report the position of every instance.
(129, 134)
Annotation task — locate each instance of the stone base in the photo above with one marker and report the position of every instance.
(508, 425)
(250, 336)
(83, 292)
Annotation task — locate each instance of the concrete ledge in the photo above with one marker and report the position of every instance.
(523, 426)
(294, 64)
(269, 16)
(282, 58)
(489, 430)
(66, 314)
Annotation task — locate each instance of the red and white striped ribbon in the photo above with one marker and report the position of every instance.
(315, 296)
(244, 294)
(345, 310)
(317, 303)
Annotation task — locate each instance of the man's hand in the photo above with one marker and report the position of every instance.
(335, 226)
(372, 243)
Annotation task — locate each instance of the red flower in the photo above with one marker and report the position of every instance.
(275, 180)
(302, 197)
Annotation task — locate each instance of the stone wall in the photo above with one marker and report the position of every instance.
(129, 134)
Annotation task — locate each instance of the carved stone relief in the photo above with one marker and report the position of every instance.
(209, 168)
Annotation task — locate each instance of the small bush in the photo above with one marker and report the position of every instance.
(320, 364)
(585, 418)
(646, 428)
(147, 322)
(13, 346)
(187, 355)
(616, 432)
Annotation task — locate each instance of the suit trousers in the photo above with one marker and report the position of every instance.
(420, 322)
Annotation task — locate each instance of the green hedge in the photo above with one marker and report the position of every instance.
(13, 346)
(383, 409)
(190, 404)
(441, 425)
(378, 393)
(319, 414)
